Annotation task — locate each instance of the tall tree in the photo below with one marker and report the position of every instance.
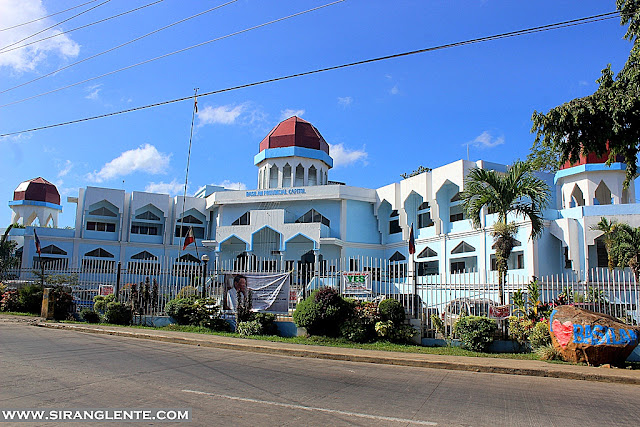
(517, 191)
(625, 248)
(608, 229)
(7, 248)
(609, 118)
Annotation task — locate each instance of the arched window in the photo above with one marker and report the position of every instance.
(424, 215)
(603, 195)
(577, 199)
(273, 177)
(313, 176)
(244, 219)
(313, 216)
(456, 213)
(462, 248)
(299, 180)
(286, 175)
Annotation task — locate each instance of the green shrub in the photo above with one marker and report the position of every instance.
(390, 331)
(540, 335)
(9, 301)
(62, 302)
(519, 329)
(361, 326)
(187, 292)
(475, 332)
(100, 302)
(218, 324)
(118, 313)
(548, 352)
(267, 322)
(30, 299)
(438, 324)
(252, 327)
(356, 331)
(89, 315)
(183, 311)
(391, 309)
(322, 312)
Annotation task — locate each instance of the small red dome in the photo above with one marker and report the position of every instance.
(592, 158)
(37, 190)
(295, 132)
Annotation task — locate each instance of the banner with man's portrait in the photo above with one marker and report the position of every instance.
(269, 291)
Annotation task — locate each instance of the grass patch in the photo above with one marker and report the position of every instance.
(20, 313)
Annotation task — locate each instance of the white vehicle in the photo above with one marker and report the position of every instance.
(467, 307)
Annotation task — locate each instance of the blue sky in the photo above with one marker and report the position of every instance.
(381, 119)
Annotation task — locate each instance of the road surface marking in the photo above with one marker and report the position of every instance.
(312, 408)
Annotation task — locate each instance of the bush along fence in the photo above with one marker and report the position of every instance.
(151, 287)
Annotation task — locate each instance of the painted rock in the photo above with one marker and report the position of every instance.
(583, 336)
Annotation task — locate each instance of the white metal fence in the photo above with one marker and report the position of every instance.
(149, 285)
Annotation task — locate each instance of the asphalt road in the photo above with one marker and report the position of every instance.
(45, 368)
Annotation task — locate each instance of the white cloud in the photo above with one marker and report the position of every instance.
(285, 114)
(174, 187)
(485, 140)
(65, 168)
(343, 156)
(394, 90)
(346, 101)
(94, 91)
(145, 158)
(232, 185)
(224, 114)
(14, 12)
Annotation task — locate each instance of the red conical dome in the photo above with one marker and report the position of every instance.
(37, 190)
(294, 132)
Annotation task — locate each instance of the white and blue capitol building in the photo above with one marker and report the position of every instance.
(297, 214)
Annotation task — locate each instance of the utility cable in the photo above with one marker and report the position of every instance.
(80, 28)
(117, 47)
(548, 27)
(48, 16)
(172, 53)
(55, 25)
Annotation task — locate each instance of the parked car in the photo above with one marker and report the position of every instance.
(467, 306)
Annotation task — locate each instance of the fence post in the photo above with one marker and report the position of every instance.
(118, 282)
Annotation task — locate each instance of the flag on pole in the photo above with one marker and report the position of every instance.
(412, 242)
(195, 104)
(38, 249)
(188, 239)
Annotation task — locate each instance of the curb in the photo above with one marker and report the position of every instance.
(255, 347)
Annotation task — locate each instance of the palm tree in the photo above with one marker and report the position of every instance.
(517, 191)
(625, 248)
(608, 228)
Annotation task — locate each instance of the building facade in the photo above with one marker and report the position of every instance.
(297, 215)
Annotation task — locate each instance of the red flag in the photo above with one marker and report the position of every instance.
(412, 242)
(189, 239)
(38, 249)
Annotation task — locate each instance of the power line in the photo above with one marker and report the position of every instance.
(45, 17)
(117, 47)
(169, 54)
(532, 30)
(55, 25)
(79, 28)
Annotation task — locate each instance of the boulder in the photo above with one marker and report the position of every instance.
(583, 336)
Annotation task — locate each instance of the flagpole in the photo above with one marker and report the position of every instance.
(186, 178)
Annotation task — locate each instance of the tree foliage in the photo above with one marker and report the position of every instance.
(7, 252)
(607, 119)
(622, 243)
(517, 191)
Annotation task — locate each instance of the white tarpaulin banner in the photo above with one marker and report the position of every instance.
(270, 292)
(356, 283)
